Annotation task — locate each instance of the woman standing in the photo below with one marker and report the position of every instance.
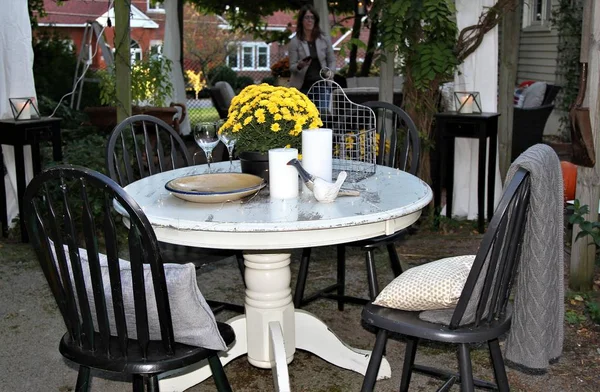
(310, 51)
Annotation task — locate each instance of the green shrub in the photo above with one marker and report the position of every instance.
(54, 63)
(269, 80)
(222, 73)
(243, 81)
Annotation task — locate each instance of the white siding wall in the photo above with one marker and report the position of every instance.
(538, 52)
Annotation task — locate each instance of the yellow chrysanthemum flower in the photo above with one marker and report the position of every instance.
(275, 127)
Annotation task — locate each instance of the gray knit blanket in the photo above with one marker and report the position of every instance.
(536, 335)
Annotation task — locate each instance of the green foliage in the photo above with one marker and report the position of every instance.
(593, 309)
(243, 81)
(36, 10)
(222, 73)
(54, 63)
(71, 119)
(567, 19)
(269, 80)
(423, 34)
(587, 228)
(574, 318)
(373, 71)
(150, 82)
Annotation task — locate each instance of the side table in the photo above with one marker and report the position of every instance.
(482, 126)
(19, 134)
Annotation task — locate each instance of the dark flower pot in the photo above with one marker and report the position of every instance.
(255, 163)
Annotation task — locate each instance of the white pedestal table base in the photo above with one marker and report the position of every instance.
(271, 331)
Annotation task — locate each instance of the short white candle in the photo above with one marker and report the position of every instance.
(283, 178)
(467, 104)
(23, 108)
(317, 152)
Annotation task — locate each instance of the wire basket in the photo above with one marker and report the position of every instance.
(353, 125)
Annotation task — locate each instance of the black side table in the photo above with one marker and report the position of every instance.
(482, 126)
(19, 134)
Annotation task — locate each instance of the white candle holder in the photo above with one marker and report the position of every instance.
(467, 102)
(24, 108)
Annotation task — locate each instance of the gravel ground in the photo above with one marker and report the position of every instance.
(30, 328)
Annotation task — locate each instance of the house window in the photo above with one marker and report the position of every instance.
(156, 47)
(136, 51)
(155, 6)
(249, 56)
(536, 13)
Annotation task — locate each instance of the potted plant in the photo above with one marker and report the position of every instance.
(150, 88)
(265, 117)
(281, 71)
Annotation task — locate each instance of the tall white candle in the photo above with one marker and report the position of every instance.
(283, 178)
(317, 152)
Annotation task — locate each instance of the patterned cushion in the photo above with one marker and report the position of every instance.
(534, 95)
(435, 285)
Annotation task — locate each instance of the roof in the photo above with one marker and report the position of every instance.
(75, 13)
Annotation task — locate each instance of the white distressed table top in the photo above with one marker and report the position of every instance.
(389, 201)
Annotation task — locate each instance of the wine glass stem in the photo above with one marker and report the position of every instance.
(230, 150)
(208, 158)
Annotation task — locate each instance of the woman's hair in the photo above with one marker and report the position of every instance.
(316, 32)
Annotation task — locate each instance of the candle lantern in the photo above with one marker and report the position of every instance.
(23, 108)
(467, 102)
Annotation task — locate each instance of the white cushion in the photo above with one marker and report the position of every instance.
(435, 285)
(533, 96)
(193, 321)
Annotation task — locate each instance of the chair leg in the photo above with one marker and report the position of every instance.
(219, 374)
(374, 362)
(394, 259)
(302, 274)
(372, 275)
(409, 361)
(83, 379)
(341, 275)
(498, 364)
(239, 255)
(152, 383)
(138, 383)
(465, 368)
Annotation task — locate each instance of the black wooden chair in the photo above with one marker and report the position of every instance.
(221, 95)
(483, 300)
(529, 123)
(392, 123)
(144, 145)
(97, 293)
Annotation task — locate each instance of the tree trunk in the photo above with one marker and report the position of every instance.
(123, 58)
(509, 54)
(352, 66)
(371, 46)
(583, 251)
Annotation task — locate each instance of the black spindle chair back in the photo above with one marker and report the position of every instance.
(143, 145)
(62, 220)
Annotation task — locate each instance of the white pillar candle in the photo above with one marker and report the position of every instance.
(467, 104)
(283, 178)
(23, 108)
(317, 152)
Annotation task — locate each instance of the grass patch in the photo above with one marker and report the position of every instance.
(197, 115)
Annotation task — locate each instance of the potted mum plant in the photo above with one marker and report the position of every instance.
(264, 117)
(150, 88)
(281, 71)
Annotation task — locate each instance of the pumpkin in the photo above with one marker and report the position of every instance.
(569, 174)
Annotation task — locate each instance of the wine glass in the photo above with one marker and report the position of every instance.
(205, 135)
(228, 137)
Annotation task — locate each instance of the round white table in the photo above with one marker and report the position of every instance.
(271, 329)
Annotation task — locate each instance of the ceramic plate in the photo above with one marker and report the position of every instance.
(215, 188)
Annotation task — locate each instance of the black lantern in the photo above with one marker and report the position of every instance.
(467, 102)
(23, 108)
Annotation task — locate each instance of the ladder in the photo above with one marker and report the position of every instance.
(84, 59)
